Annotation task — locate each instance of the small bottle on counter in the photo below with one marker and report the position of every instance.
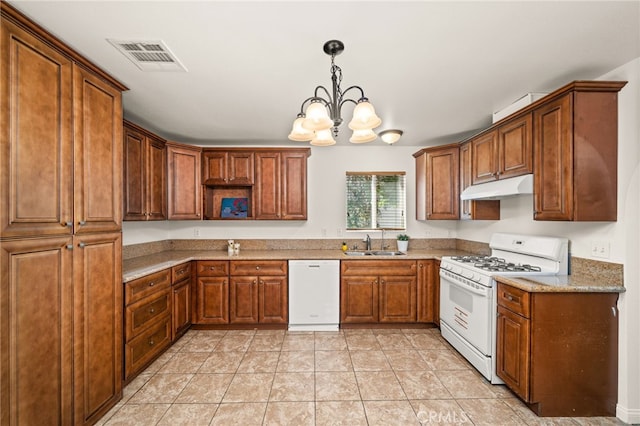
(236, 248)
(230, 247)
(345, 247)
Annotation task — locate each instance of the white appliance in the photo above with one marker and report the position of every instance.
(314, 295)
(468, 300)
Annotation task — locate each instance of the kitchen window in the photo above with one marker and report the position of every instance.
(376, 200)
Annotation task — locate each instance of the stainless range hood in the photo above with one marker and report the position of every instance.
(499, 189)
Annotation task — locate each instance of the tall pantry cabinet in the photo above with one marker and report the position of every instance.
(60, 231)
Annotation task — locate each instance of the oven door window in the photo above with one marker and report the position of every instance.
(468, 312)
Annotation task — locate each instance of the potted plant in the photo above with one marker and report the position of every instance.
(403, 242)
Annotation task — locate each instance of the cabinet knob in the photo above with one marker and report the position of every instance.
(257, 268)
(152, 283)
(152, 310)
(67, 224)
(82, 223)
(212, 268)
(82, 245)
(509, 297)
(69, 246)
(254, 281)
(151, 342)
(181, 271)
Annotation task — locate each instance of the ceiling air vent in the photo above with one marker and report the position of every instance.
(149, 55)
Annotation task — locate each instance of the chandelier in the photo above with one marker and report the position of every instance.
(323, 110)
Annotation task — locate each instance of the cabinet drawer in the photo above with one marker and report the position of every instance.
(145, 347)
(180, 272)
(261, 267)
(143, 287)
(378, 267)
(514, 299)
(142, 314)
(212, 268)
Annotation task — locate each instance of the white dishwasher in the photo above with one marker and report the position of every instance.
(314, 295)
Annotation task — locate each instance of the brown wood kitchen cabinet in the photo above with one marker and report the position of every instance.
(184, 191)
(378, 291)
(181, 278)
(437, 183)
(558, 351)
(503, 152)
(212, 292)
(427, 303)
(258, 292)
(474, 209)
(145, 174)
(281, 184)
(60, 222)
(224, 167)
(575, 145)
(147, 321)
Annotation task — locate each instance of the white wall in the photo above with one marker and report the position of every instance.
(326, 220)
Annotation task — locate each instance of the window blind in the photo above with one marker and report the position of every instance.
(376, 200)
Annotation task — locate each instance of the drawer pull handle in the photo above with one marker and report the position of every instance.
(152, 310)
(151, 342)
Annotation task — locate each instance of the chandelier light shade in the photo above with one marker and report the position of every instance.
(323, 113)
(390, 136)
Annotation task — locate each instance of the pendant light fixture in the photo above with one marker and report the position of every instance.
(324, 110)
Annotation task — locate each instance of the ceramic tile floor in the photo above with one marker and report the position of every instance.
(350, 377)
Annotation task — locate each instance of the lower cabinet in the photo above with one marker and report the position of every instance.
(212, 292)
(147, 321)
(374, 291)
(258, 292)
(181, 300)
(558, 351)
(428, 302)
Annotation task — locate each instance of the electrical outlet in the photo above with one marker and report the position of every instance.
(339, 232)
(600, 249)
(196, 232)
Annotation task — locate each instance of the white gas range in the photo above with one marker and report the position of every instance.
(468, 305)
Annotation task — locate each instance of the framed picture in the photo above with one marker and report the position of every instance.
(235, 208)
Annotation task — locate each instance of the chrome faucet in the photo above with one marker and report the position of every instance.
(368, 242)
(382, 242)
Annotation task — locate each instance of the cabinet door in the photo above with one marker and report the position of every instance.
(35, 137)
(267, 197)
(474, 209)
(243, 300)
(97, 154)
(214, 168)
(515, 152)
(183, 187)
(273, 301)
(157, 180)
(484, 158)
(240, 168)
(134, 193)
(443, 189)
(359, 299)
(36, 301)
(553, 160)
(294, 185)
(212, 300)
(425, 297)
(181, 306)
(397, 299)
(421, 186)
(513, 354)
(98, 338)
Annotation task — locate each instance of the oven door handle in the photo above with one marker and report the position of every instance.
(480, 292)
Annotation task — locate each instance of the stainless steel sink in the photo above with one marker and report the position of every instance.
(374, 253)
(387, 253)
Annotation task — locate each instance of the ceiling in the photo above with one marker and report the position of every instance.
(437, 70)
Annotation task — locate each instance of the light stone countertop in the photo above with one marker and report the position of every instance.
(561, 284)
(138, 267)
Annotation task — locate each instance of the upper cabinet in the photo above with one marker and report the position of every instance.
(503, 152)
(145, 174)
(223, 167)
(575, 145)
(184, 189)
(474, 209)
(271, 182)
(437, 185)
